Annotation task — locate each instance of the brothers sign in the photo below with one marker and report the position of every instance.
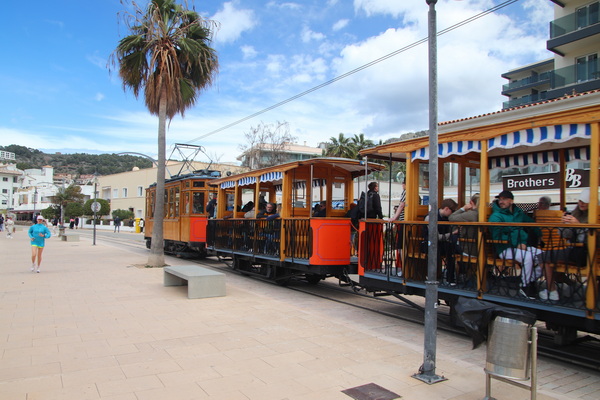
(574, 177)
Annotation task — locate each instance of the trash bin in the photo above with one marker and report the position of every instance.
(508, 349)
(137, 225)
(61, 230)
(507, 332)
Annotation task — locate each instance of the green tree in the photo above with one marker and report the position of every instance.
(104, 208)
(168, 56)
(339, 147)
(73, 210)
(359, 143)
(123, 214)
(50, 212)
(64, 196)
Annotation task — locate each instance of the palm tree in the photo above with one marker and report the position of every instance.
(359, 142)
(339, 147)
(167, 55)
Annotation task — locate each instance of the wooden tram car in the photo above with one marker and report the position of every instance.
(296, 243)
(559, 132)
(186, 218)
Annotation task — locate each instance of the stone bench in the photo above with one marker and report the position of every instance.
(70, 238)
(201, 282)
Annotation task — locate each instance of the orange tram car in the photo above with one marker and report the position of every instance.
(293, 242)
(562, 135)
(186, 217)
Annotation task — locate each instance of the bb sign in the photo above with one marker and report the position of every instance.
(574, 177)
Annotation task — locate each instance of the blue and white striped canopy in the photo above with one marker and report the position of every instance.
(247, 180)
(539, 158)
(526, 137)
(536, 136)
(271, 176)
(448, 149)
(228, 184)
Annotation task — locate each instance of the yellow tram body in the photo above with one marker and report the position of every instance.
(186, 218)
(295, 243)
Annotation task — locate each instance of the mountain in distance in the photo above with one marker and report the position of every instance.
(76, 164)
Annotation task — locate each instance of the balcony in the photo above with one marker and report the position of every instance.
(578, 78)
(580, 27)
(540, 79)
(580, 19)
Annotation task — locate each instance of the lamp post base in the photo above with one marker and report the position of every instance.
(430, 379)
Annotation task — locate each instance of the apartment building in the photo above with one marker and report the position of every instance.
(127, 190)
(575, 41)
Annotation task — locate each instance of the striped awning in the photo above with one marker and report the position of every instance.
(448, 149)
(539, 158)
(271, 176)
(526, 137)
(247, 180)
(536, 136)
(228, 184)
(319, 183)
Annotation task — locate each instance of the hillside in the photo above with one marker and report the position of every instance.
(78, 163)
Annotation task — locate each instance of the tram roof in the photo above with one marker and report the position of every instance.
(578, 109)
(355, 167)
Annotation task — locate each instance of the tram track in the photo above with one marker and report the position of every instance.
(584, 352)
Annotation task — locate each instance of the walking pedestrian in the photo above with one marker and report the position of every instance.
(38, 234)
(9, 225)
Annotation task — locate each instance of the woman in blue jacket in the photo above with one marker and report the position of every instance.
(38, 234)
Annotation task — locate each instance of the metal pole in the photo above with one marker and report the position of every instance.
(427, 370)
(95, 192)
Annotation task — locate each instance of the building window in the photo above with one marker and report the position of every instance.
(115, 193)
(4, 190)
(4, 202)
(140, 191)
(587, 15)
(124, 192)
(4, 179)
(587, 68)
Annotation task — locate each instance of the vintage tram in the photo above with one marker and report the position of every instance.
(294, 242)
(186, 216)
(564, 133)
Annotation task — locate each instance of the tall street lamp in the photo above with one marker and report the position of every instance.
(95, 206)
(427, 371)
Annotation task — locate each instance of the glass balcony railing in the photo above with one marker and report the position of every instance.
(562, 77)
(580, 19)
(530, 80)
(532, 98)
(581, 72)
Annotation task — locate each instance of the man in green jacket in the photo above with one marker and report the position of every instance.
(514, 239)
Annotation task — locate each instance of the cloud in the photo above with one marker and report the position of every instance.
(287, 5)
(99, 97)
(308, 35)
(233, 22)
(248, 52)
(339, 25)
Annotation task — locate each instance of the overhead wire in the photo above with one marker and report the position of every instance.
(358, 69)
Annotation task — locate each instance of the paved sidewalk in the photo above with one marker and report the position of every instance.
(93, 325)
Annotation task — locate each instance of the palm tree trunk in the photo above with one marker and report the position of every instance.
(157, 251)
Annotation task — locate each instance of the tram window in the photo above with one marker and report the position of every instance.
(198, 201)
(299, 194)
(150, 204)
(185, 208)
(199, 184)
(176, 203)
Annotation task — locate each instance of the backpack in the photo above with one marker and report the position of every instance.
(361, 204)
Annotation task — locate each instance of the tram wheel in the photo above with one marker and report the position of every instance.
(313, 279)
(565, 335)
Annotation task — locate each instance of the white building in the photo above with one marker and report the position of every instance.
(575, 41)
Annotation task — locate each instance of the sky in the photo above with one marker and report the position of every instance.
(59, 92)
